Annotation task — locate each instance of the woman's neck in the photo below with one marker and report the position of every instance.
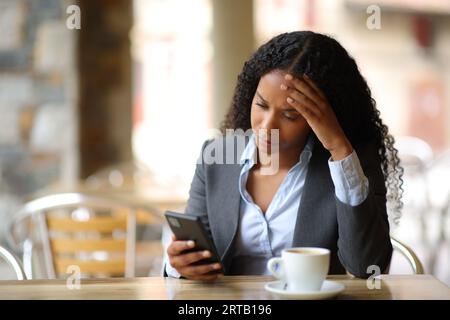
(286, 158)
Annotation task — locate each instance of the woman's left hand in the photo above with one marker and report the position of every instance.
(311, 103)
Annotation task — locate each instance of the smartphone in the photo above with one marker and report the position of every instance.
(188, 227)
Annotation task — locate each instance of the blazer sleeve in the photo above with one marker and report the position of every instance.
(364, 238)
(196, 205)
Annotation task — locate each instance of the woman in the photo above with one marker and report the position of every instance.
(312, 113)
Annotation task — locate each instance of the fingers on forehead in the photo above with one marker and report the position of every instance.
(313, 85)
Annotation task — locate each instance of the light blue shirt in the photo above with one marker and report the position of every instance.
(263, 236)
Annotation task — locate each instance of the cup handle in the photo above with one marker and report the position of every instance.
(276, 267)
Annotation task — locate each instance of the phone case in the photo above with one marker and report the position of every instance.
(188, 227)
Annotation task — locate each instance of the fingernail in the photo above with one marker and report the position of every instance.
(217, 266)
(206, 254)
(283, 87)
(289, 99)
(190, 243)
(288, 77)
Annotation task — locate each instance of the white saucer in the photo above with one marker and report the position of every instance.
(329, 289)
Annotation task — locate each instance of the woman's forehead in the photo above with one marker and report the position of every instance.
(274, 78)
(269, 87)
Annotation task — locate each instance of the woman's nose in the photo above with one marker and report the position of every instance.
(269, 123)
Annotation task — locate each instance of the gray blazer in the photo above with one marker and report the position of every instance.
(356, 236)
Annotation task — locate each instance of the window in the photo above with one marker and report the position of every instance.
(172, 54)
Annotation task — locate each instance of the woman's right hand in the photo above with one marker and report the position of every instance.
(182, 262)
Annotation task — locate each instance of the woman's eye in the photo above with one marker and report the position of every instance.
(291, 116)
(262, 106)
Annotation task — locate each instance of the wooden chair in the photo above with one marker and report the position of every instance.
(13, 262)
(409, 254)
(95, 235)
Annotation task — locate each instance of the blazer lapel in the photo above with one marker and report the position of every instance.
(317, 197)
(224, 204)
(226, 209)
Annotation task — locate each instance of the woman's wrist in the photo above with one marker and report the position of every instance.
(341, 151)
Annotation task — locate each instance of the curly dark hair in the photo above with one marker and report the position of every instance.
(335, 72)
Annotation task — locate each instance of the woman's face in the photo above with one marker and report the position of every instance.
(270, 110)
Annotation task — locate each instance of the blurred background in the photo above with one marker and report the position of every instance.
(121, 106)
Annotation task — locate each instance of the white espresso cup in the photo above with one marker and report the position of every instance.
(302, 269)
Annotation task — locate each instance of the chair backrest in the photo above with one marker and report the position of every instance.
(92, 234)
(409, 254)
(13, 262)
(413, 151)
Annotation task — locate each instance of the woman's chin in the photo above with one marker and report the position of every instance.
(268, 148)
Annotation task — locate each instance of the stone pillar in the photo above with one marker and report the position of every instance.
(105, 102)
(233, 41)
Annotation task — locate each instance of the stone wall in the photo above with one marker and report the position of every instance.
(38, 89)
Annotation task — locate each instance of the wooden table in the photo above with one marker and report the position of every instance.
(236, 288)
